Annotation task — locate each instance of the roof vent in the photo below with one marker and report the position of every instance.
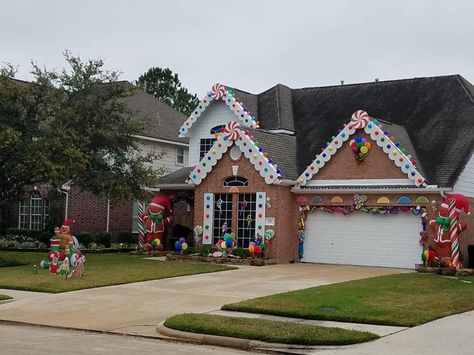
(342, 82)
(376, 80)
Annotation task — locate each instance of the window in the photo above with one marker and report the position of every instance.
(217, 129)
(235, 181)
(246, 219)
(33, 212)
(23, 222)
(222, 215)
(180, 156)
(205, 146)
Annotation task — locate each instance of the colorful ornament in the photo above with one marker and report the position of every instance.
(217, 91)
(219, 203)
(359, 119)
(232, 130)
(360, 147)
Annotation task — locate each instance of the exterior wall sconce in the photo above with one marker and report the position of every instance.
(268, 202)
(433, 205)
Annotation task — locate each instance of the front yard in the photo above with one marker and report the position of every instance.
(101, 270)
(400, 300)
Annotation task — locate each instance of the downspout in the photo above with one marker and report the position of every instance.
(65, 190)
(108, 215)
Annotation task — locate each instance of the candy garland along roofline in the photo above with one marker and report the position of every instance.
(268, 171)
(378, 136)
(219, 91)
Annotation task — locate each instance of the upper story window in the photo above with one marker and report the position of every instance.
(217, 129)
(236, 181)
(180, 156)
(205, 145)
(33, 212)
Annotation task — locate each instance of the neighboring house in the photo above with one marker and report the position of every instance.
(284, 157)
(90, 212)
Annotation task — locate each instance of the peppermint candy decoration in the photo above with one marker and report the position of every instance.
(359, 119)
(232, 130)
(217, 91)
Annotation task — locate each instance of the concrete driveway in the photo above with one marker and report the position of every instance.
(137, 308)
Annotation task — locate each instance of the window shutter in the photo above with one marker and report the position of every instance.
(208, 218)
(260, 214)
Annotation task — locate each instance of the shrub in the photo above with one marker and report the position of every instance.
(41, 236)
(84, 238)
(126, 237)
(204, 250)
(9, 262)
(103, 238)
(241, 253)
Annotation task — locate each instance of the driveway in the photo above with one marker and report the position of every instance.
(137, 308)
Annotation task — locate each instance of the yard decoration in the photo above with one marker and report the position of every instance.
(156, 219)
(268, 236)
(227, 243)
(180, 245)
(64, 249)
(301, 237)
(430, 258)
(447, 228)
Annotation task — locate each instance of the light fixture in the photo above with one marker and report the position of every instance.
(433, 205)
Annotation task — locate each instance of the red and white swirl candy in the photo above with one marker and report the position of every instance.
(359, 119)
(232, 130)
(217, 91)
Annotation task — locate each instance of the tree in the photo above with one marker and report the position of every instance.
(70, 126)
(165, 86)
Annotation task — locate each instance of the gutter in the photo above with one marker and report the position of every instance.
(286, 182)
(387, 190)
(172, 187)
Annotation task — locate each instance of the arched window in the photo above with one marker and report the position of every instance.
(236, 181)
(33, 212)
(217, 129)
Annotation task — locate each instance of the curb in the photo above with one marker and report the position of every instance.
(229, 342)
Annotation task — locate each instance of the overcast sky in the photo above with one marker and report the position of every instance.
(248, 44)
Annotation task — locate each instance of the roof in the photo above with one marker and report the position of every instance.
(177, 177)
(432, 117)
(164, 121)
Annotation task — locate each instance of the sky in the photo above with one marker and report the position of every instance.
(248, 44)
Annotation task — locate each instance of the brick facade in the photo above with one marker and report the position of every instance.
(283, 208)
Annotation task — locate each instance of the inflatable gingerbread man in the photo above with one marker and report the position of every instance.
(447, 229)
(158, 217)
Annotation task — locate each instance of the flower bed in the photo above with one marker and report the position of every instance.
(444, 270)
(225, 260)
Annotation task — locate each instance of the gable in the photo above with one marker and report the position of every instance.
(344, 166)
(234, 136)
(465, 182)
(361, 122)
(234, 104)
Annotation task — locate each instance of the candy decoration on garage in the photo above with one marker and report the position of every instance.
(220, 92)
(447, 229)
(255, 154)
(360, 147)
(360, 120)
(64, 249)
(157, 218)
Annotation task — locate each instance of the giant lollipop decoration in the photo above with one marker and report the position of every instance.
(217, 91)
(232, 130)
(359, 119)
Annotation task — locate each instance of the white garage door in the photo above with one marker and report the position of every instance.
(363, 239)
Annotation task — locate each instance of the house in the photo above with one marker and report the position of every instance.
(360, 168)
(90, 212)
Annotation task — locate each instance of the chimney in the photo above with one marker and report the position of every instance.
(376, 80)
(342, 82)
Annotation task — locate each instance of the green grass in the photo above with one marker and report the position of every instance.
(402, 300)
(266, 330)
(101, 270)
(10, 262)
(4, 297)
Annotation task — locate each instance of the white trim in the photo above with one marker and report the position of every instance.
(358, 182)
(280, 131)
(159, 140)
(208, 219)
(171, 187)
(388, 190)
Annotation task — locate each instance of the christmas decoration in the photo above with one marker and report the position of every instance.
(155, 221)
(360, 147)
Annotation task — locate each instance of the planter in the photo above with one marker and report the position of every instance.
(465, 272)
(224, 260)
(448, 271)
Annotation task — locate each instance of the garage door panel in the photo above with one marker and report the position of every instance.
(363, 239)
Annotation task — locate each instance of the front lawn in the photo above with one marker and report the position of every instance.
(266, 330)
(402, 300)
(101, 270)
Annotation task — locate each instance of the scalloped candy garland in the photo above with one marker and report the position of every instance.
(219, 92)
(360, 119)
(233, 134)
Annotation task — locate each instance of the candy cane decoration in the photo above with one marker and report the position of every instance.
(217, 91)
(453, 233)
(141, 223)
(359, 119)
(232, 130)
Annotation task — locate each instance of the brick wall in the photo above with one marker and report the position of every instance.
(377, 164)
(283, 208)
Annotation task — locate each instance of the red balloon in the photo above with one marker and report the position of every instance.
(159, 247)
(147, 247)
(258, 249)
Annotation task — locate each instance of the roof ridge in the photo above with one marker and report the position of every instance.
(378, 82)
(458, 78)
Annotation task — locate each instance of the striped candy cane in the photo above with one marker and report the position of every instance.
(141, 223)
(453, 233)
